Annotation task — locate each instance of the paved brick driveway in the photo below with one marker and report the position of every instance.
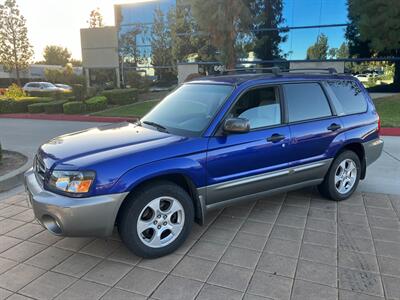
(287, 246)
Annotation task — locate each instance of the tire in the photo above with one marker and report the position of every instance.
(150, 233)
(343, 186)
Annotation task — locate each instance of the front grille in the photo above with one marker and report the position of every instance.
(40, 169)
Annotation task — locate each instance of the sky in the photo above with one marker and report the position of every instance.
(58, 22)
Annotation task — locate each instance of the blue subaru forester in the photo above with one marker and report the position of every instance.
(212, 142)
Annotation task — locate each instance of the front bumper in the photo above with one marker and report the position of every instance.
(372, 149)
(92, 216)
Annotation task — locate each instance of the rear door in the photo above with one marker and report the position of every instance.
(313, 125)
(249, 163)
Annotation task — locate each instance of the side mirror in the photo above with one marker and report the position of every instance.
(236, 125)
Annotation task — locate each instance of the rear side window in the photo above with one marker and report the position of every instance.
(306, 101)
(350, 97)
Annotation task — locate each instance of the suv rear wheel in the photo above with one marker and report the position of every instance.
(157, 220)
(342, 178)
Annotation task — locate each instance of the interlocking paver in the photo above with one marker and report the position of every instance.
(19, 276)
(47, 286)
(241, 257)
(49, 258)
(117, 294)
(391, 286)
(360, 281)
(212, 292)
(304, 290)
(22, 251)
(297, 246)
(161, 264)
(174, 287)
(277, 264)
(77, 265)
(108, 272)
(83, 290)
(194, 268)
(271, 286)
(141, 281)
(229, 276)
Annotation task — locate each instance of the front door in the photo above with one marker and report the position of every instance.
(249, 163)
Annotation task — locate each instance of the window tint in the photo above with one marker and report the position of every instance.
(350, 97)
(306, 101)
(261, 107)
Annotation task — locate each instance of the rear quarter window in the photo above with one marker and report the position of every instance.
(350, 97)
(306, 101)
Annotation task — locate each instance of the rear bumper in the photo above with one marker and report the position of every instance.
(92, 216)
(372, 149)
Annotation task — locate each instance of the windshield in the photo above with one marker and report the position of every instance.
(189, 109)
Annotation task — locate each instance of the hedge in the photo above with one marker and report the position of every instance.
(55, 107)
(120, 96)
(11, 106)
(74, 107)
(96, 104)
(36, 108)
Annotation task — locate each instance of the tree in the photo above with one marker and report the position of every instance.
(341, 52)
(267, 14)
(223, 21)
(320, 49)
(376, 23)
(187, 40)
(15, 49)
(56, 55)
(129, 49)
(95, 19)
(161, 44)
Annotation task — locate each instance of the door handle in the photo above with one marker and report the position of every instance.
(276, 138)
(334, 127)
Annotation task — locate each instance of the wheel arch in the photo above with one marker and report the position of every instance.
(177, 178)
(357, 148)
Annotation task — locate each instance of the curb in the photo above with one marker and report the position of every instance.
(72, 118)
(14, 178)
(390, 131)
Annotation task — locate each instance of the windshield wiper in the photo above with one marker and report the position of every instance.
(156, 125)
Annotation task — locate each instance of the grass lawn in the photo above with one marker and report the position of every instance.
(389, 110)
(131, 110)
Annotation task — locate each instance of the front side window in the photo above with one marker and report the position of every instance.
(260, 106)
(306, 101)
(350, 97)
(189, 109)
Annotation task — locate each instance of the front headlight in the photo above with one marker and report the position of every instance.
(72, 181)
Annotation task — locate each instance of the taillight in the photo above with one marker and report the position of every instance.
(379, 123)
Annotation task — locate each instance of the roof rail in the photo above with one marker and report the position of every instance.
(278, 71)
(319, 70)
(274, 70)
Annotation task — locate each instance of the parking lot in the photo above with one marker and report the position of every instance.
(287, 246)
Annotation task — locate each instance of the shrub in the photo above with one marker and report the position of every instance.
(36, 108)
(79, 92)
(96, 103)
(11, 106)
(120, 96)
(14, 92)
(55, 107)
(74, 107)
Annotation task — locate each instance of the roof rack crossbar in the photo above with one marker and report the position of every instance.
(278, 71)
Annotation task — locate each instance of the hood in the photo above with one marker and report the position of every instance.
(95, 141)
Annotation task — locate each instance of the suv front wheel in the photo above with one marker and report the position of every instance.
(342, 178)
(157, 220)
